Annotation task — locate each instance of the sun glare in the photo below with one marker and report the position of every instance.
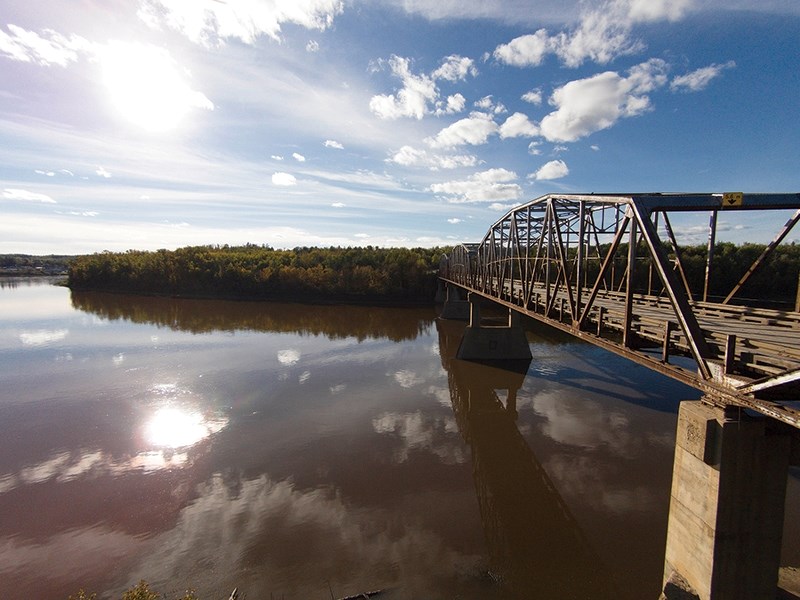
(175, 428)
(148, 87)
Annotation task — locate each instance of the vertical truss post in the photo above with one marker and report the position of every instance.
(581, 268)
(712, 239)
(650, 266)
(627, 331)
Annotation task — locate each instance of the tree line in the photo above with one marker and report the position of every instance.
(260, 272)
(28, 264)
(372, 274)
(775, 281)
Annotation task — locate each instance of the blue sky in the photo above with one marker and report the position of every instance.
(163, 123)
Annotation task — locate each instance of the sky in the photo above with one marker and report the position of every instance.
(145, 124)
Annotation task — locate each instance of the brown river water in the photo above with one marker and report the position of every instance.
(317, 452)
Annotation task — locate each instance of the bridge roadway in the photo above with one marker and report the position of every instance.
(532, 259)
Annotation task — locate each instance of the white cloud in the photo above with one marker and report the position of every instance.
(525, 51)
(473, 130)
(587, 105)
(284, 179)
(494, 184)
(454, 104)
(595, 147)
(312, 46)
(413, 157)
(533, 96)
(298, 157)
(642, 11)
(602, 34)
(699, 79)
(488, 105)
(454, 221)
(333, 144)
(102, 172)
(455, 68)
(555, 169)
(210, 23)
(534, 148)
(16, 194)
(419, 95)
(500, 207)
(49, 48)
(518, 125)
(276, 157)
(412, 100)
(338, 205)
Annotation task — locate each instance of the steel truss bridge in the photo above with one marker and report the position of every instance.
(608, 269)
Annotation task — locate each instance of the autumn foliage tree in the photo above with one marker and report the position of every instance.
(314, 274)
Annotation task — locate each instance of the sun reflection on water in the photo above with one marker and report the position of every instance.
(172, 427)
(175, 428)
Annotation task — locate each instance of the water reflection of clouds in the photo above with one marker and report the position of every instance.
(442, 395)
(407, 379)
(222, 535)
(582, 477)
(581, 422)
(43, 337)
(89, 551)
(418, 431)
(64, 467)
(288, 357)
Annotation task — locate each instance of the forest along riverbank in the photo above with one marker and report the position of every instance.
(354, 275)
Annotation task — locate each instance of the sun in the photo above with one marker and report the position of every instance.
(147, 87)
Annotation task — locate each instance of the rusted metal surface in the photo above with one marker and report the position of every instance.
(576, 262)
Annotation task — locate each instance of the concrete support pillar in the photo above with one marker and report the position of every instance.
(455, 306)
(726, 506)
(493, 343)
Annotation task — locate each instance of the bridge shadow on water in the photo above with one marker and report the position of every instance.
(593, 370)
(536, 547)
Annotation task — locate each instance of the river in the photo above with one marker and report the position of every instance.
(304, 452)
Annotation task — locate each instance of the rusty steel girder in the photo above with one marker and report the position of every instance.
(608, 269)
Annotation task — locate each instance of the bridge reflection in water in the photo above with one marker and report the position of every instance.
(535, 545)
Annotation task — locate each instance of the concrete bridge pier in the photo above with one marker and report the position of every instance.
(455, 306)
(503, 342)
(726, 506)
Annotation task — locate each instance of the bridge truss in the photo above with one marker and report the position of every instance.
(608, 269)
